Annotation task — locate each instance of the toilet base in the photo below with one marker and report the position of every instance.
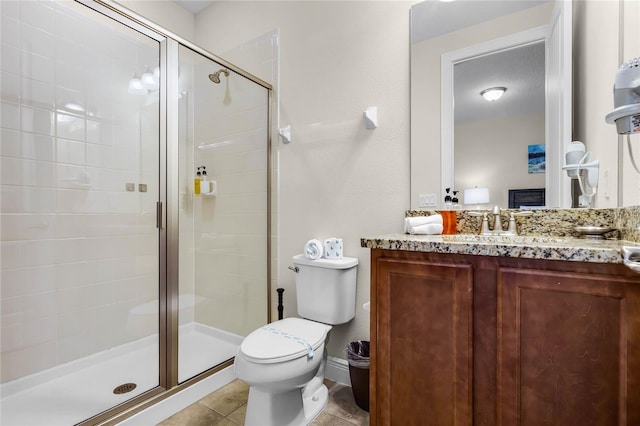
(315, 403)
(297, 407)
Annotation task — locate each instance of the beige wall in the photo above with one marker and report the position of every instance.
(595, 65)
(504, 166)
(597, 55)
(336, 178)
(164, 13)
(631, 49)
(425, 90)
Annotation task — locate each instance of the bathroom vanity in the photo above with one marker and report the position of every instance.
(502, 332)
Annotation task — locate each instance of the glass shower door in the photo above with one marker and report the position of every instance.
(80, 181)
(223, 211)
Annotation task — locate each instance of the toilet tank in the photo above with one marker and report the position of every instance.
(326, 289)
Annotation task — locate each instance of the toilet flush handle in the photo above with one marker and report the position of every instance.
(294, 269)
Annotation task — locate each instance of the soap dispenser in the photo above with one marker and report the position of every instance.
(449, 217)
(205, 186)
(455, 202)
(447, 198)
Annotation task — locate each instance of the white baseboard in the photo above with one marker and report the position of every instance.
(337, 369)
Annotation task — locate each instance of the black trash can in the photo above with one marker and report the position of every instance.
(358, 358)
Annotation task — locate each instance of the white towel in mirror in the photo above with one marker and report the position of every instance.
(411, 222)
(428, 229)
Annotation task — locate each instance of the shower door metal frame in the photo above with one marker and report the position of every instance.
(168, 209)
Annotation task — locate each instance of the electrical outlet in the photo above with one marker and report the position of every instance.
(426, 200)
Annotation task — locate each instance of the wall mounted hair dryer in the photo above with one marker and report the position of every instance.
(626, 98)
(578, 166)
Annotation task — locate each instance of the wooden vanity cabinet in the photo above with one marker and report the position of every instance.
(423, 343)
(462, 340)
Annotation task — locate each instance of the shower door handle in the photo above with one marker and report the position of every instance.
(159, 215)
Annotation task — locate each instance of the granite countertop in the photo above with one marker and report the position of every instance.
(529, 247)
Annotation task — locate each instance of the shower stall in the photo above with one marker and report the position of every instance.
(134, 211)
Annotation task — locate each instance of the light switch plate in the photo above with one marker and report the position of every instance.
(427, 200)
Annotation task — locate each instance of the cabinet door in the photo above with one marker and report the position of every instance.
(568, 349)
(422, 343)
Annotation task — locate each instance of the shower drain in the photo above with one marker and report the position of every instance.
(127, 387)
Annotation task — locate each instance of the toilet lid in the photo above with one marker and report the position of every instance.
(284, 340)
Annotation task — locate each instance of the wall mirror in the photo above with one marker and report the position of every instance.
(459, 140)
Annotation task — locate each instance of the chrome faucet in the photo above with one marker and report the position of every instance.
(497, 224)
(512, 230)
(484, 230)
(497, 227)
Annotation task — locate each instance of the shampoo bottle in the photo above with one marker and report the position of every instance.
(196, 182)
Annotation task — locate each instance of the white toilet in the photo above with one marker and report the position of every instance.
(283, 362)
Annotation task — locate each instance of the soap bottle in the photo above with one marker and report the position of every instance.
(204, 183)
(455, 202)
(449, 217)
(196, 182)
(447, 198)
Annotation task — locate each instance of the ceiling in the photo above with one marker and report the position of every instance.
(433, 18)
(194, 6)
(521, 70)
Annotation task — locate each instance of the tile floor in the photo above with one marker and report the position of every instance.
(227, 407)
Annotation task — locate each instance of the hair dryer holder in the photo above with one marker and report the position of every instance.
(591, 176)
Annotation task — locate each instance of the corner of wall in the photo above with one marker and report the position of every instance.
(166, 14)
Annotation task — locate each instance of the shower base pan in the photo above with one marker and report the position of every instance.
(70, 393)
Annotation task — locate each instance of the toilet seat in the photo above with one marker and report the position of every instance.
(284, 340)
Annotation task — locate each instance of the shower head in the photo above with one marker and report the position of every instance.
(215, 77)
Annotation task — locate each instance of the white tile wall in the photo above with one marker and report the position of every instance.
(78, 253)
(229, 233)
(10, 86)
(10, 115)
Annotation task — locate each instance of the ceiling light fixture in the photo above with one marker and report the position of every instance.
(493, 93)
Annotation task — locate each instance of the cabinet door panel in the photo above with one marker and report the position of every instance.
(423, 354)
(564, 348)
